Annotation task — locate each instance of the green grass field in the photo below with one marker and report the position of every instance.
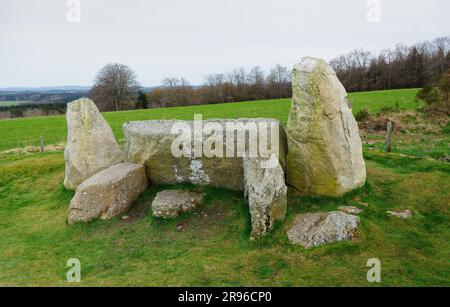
(11, 103)
(23, 132)
(213, 247)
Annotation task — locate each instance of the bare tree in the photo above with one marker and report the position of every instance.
(400, 67)
(256, 82)
(214, 79)
(101, 99)
(278, 82)
(176, 92)
(118, 83)
(171, 82)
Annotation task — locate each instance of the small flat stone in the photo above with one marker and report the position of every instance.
(405, 214)
(350, 210)
(316, 229)
(172, 203)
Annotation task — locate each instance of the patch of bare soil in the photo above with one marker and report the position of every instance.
(138, 212)
(34, 149)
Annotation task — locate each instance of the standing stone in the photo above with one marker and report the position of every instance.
(324, 147)
(266, 192)
(91, 146)
(109, 193)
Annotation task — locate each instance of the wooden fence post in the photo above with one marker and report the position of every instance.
(389, 137)
(42, 143)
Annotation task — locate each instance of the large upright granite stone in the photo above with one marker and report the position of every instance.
(150, 143)
(109, 193)
(91, 146)
(324, 147)
(266, 192)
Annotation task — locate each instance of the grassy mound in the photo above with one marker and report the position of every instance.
(210, 247)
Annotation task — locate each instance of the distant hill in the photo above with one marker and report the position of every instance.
(45, 89)
(49, 89)
(51, 94)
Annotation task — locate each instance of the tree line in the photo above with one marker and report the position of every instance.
(116, 88)
(238, 85)
(401, 67)
(413, 66)
(33, 109)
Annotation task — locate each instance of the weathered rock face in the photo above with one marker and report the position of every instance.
(91, 146)
(150, 143)
(109, 193)
(171, 204)
(324, 147)
(315, 229)
(266, 192)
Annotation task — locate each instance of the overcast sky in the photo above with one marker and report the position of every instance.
(191, 38)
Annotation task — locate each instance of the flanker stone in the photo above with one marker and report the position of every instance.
(109, 193)
(91, 146)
